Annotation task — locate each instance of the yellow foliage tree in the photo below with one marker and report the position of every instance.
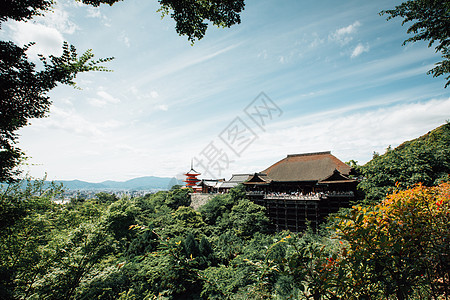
(399, 248)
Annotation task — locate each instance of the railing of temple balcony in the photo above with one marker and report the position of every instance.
(292, 196)
(340, 194)
(254, 193)
(316, 196)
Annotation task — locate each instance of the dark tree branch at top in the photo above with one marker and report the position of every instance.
(431, 22)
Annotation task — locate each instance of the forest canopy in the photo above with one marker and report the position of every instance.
(423, 160)
(158, 247)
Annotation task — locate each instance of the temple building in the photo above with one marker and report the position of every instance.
(220, 186)
(209, 186)
(302, 188)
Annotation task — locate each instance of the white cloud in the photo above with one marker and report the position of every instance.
(97, 102)
(355, 135)
(316, 42)
(103, 99)
(154, 94)
(70, 121)
(163, 107)
(359, 49)
(123, 38)
(106, 96)
(126, 41)
(344, 35)
(58, 18)
(93, 12)
(48, 40)
(46, 31)
(262, 54)
(349, 29)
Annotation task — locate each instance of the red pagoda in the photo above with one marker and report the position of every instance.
(191, 177)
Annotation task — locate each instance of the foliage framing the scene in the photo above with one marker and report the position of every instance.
(153, 247)
(431, 22)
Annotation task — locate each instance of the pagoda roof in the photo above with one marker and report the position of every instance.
(192, 172)
(191, 180)
(315, 166)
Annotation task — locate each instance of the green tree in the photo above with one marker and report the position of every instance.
(178, 197)
(191, 16)
(25, 209)
(216, 208)
(423, 160)
(23, 93)
(220, 206)
(431, 22)
(397, 248)
(223, 282)
(106, 198)
(191, 246)
(77, 253)
(248, 218)
(46, 249)
(120, 216)
(188, 217)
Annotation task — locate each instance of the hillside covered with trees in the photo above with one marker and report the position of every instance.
(158, 247)
(423, 160)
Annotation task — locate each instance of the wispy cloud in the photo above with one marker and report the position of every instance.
(163, 107)
(154, 94)
(71, 121)
(184, 61)
(94, 12)
(124, 39)
(352, 136)
(59, 19)
(316, 42)
(262, 54)
(344, 35)
(103, 98)
(359, 49)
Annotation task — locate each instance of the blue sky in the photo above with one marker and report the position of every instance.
(336, 74)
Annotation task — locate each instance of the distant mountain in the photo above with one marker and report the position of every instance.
(140, 183)
(80, 185)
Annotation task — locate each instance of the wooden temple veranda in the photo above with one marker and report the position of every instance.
(298, 189)
(302, 188)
